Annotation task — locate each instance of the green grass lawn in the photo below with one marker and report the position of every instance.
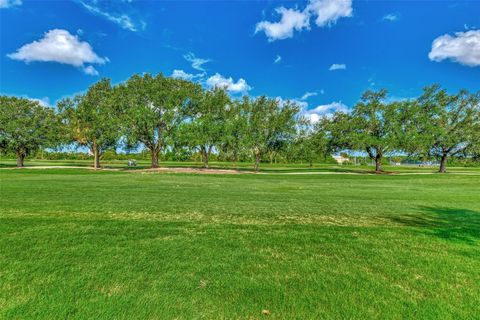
(128, 245)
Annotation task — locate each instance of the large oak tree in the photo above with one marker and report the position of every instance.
(93, 119)
(268, 122)
(26, 126)
(367, 128)
(206, 125)
(448, 124)
(154, 107)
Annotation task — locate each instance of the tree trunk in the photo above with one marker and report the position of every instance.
(257, 161)
(235, 160)
(154, 154)
(205, 160)
(204, 153)
(443, 163)
(20, 158)
(96, 158)
(378, 163)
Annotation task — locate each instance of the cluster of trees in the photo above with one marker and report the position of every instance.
(436, 124)
(164, 114)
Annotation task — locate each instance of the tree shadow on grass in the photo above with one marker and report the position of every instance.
(447, 223)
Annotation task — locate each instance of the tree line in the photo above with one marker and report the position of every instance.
(162, 114)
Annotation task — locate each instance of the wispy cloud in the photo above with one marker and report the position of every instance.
(197, 63)
(5, 4)
(390, 17)
(121, 19)
(278, 59)
(337, 66)
(308, 95)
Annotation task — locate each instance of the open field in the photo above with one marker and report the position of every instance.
(80, 244)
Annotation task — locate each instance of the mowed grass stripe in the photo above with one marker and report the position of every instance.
(81, 244)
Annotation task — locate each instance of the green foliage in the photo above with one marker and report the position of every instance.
(233, 142)
(179, 120)
(368, 128)
(269, 125)
(206, 125)
(93, 118)
(26, 126)
(406, 124)
(449, 123)
(154, 107)
(310, 145)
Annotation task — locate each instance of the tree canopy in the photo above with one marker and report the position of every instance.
(153, 108)
(174, 116)
(448, 123)
(367, 128)
(269, 124)
(26, 126)
(93, 118)
(206, 127)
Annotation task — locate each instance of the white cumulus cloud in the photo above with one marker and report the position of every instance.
(301, 104)
(60, 46)
(291, 20)
(326, 110)
(44, 102)
(90, 70)
(329, 11)
(4, 4)
(463, 47)
(180, 74)
(337, 66)
(217, 80)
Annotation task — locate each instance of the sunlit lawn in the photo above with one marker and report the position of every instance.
(80, 244)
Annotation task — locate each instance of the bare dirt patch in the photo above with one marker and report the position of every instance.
(192, 170)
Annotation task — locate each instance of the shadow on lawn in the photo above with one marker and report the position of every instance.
(447, 223)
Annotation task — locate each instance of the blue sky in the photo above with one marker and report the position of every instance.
(324, 51)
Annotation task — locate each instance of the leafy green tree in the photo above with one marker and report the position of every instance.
(93, 119)
(448, 124)
(205, 128)
(154, 107)
(268, 122)
(26, 126)
(310, 144)
(474, 149)
(232, 142)
(405, 121)
(367, 128)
